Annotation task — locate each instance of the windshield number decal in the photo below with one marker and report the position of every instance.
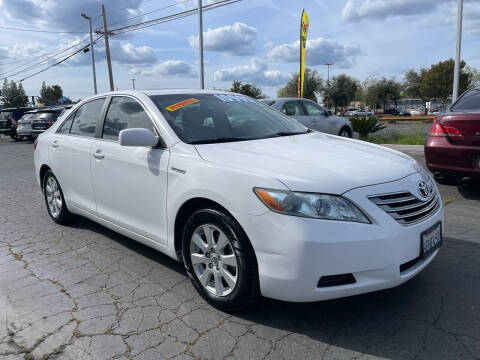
(181, 104)
(233, 98)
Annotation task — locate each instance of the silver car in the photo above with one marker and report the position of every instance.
(24, 125)
(312, 115)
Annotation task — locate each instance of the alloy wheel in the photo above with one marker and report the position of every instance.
(214, 260)
(54, 197)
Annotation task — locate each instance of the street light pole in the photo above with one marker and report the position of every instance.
(200, 42)
(93, 55)
(456, 71)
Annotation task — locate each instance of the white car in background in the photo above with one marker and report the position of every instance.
(250, 200)
(358, 112)
(414, 112)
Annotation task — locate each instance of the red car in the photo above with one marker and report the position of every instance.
(452, 150)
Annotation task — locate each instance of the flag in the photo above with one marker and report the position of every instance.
(304, 23)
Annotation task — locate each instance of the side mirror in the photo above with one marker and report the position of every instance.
(137, 137)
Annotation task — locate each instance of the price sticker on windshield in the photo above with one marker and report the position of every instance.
(233, 98)
(181, 104)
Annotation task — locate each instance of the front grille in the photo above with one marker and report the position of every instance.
(406, 208)
(409, 264)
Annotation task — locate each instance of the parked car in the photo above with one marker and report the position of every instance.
(415, 112)
(8, 121)
(24, 125)
(452, 150)
(44, 118)
(358, 112)
(250, 200)
(391, 111)
(312, 115)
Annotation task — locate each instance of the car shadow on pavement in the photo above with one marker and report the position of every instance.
(470, 189)
(434, 315)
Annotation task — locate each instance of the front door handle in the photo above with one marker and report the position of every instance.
(98, 155)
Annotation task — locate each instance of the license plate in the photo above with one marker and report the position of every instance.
(431, 240)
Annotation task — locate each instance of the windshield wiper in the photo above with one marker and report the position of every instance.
(219, 140)
(289, 133)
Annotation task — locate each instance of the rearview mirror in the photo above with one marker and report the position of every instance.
(137, 137)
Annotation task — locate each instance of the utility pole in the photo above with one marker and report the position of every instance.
(328, 72)
(107, 48)
(200, 42)
(456, 70)
(133, 83)
(91, 49)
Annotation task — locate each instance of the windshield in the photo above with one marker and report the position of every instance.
(48, 116)
(208, 118)
(6, 115)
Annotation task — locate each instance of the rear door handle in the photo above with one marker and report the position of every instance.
(98, 155)
(55, 144)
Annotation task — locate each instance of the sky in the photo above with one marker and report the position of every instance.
(250, 40)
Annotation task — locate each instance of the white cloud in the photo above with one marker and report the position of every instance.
(178, 68)
(189, 4)
(127, 53)
(357, 10)
(237, 39)
(65, 15)
(318, 52)
(255, 71)
(20, 51)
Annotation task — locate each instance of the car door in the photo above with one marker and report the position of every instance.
(130, 183)
(294, 109)
(321, 120)
(70, 153)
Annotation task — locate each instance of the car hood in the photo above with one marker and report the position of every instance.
(313, 162)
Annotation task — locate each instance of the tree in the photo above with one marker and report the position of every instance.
(380, 91)
(247, 89)
(438, 80)
(49, 95)
(5, 93)
(365, 125)
(340, 91)
(312, 85)
(13, 96)
(413, 84)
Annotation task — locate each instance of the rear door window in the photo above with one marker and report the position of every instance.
(86, 117)
(293, 108)
(124, 113)
(469, 101)
(314, 109)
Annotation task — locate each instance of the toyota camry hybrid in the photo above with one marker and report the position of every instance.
(250, 200)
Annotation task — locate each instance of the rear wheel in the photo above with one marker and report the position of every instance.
(15, 137)
(345, 132)
(219, 260)
(54, 199)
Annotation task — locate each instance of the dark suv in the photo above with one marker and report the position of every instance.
(43, 119)
(8, 121)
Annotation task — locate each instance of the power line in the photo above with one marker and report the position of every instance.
(172, 17)
(149, 12)
(55, 64)
(41, 31)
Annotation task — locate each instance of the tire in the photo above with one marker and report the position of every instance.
(54, 199)
(242, 288)
(16, 137)
(345, 132)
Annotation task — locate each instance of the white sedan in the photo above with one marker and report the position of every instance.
(358, 112)
(251, 201)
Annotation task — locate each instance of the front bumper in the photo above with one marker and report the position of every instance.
(293, 253)
(456, 160)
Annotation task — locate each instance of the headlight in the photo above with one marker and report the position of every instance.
(320, 206)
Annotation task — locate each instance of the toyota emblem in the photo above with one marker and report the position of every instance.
(423, 188)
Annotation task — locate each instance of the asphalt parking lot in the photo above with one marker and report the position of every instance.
(85, 292)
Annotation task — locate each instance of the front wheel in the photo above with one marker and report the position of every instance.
(220, 260)
(54, 199)
(345, 132)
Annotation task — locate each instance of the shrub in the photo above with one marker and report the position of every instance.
(365, 125)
